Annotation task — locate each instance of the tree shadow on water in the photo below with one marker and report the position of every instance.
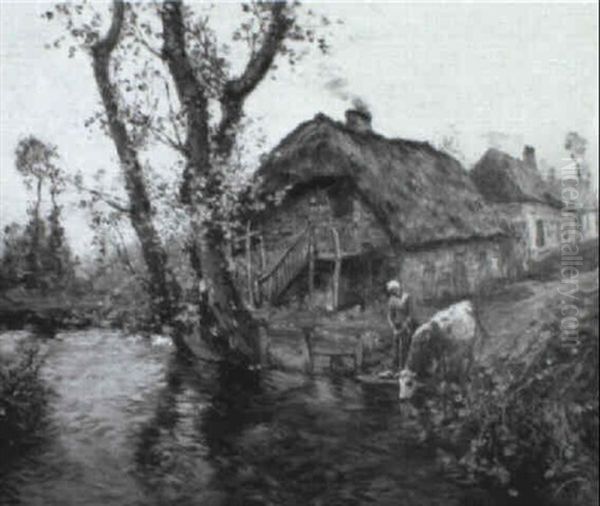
(222, 435)
(186, 452)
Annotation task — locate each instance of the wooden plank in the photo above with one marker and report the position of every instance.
(263, 256)
(331, 256)
(375, 380)
(311, 268)
(337, 268)
(249, 266)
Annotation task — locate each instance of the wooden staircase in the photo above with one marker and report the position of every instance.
(264, 284)
(272, 283)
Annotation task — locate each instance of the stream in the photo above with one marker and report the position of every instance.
(130, 423)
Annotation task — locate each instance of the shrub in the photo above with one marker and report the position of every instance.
(23, 401)
(534, 430)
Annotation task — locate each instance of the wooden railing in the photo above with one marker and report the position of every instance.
(264, 284)
(292, 261)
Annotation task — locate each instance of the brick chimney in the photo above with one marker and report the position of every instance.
(358, 120)
(529, 157)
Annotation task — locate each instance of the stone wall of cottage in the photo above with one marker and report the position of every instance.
(433, 276)
(450, 272)
(536, 225)
(357, 227)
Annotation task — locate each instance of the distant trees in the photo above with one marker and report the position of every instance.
(576, 145)
(37, 255)
(13, 266)
(449, 143)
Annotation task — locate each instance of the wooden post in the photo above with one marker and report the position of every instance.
(337, 268)
(311, 267)
(307, 332)
(249, 265)
(263, 258)
(230, 250)
(359, 353)
(263, 266)
(264, 343)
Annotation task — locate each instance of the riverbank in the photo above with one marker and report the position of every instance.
(48, 311)
(530, 427)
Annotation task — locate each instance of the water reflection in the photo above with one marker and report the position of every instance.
(279, 438)
(134, 424)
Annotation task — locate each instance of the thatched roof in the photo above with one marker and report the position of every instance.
(503, 178)
(419, 195)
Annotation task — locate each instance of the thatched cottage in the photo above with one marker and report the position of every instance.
(359, 208)
(518, 191)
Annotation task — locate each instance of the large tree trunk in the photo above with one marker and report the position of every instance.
(235, 323)
(164, 290)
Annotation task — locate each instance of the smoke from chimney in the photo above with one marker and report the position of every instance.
(360, 105)
(358, 117)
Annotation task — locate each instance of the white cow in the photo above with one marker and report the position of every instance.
(441, 350)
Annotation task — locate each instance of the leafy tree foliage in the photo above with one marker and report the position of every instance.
(164, 77)
(576, 145)
(38, 255)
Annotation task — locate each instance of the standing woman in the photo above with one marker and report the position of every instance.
(400, 319)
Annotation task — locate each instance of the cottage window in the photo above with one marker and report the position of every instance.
(540, 240)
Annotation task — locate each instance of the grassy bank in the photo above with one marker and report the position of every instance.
(528, 427)
(532, 425)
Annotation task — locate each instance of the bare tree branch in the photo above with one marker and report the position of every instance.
(172, 116)
(123, 254)
(237, 90)
(141, 38)
(107, 199)
(167, 139)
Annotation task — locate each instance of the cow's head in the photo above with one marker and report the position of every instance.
(407, 381)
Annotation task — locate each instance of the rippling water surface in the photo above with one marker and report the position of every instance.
(131, 424)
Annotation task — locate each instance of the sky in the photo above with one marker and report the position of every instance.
(519, 73)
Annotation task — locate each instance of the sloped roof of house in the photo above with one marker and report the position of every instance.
(419, 194)
(502, 178)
